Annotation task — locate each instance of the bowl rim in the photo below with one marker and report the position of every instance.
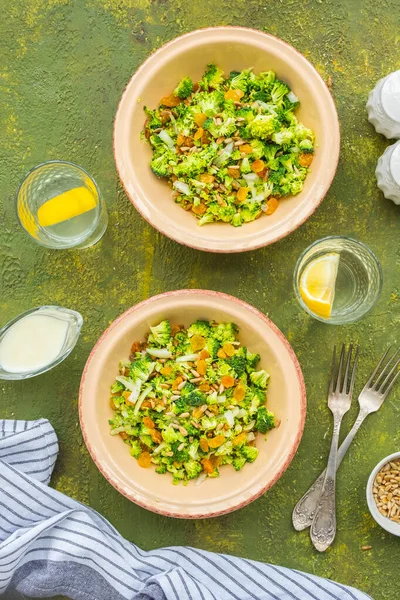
(384, 522)
(300, 379)
(132, 194)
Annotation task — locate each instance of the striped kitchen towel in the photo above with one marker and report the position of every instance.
(52, 545)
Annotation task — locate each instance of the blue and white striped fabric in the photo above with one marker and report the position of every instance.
(52, 545)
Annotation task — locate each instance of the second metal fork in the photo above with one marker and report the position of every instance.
(370, 400)
(323, 527)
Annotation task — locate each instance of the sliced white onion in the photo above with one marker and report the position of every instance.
(159, 448)
(128, 383)
(249, 425)
(135, 393)
(187, 358)
(201, 478)
(242, 413)
(227, 151)
(159, 352)
(221, 399)
(117, 430)
(292, 97)
(228, 416)
(142, 396)
(251, 436)
(251, 178)
(181, 186)
(166, 138)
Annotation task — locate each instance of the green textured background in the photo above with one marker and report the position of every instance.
(63, 67)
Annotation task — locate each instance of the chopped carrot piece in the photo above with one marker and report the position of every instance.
(305, 160)
(156, 436)
(147, 422)
(177, 382)
(217, 441)
(198, 133)
(197, 342)
(228, 349)
(239, 393)
(204, 387)
(221, 353)
(112, 403)
(242, 194)
(180, 140)
(207, 465)
(124, 435)
(146, 404)
(166, 371)
(257, 166)
(204, 354)
(136, 347)
(204, 444)
(246, 148)
(272, 205)
(170, 101)
(199, 119)
(234, 95)
(200, 209)
(227, 381)
(144, 460)
(214, 409)
(240, 439)
(197, 413)
(126, 394)
(201, 367)
(235, 173)
(206, 178)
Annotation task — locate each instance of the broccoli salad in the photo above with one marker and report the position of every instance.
(191, 400)
(230, 147)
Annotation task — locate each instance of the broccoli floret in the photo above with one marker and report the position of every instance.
(184, 88)
(160, 334)
(195, 163)
(210, 103)
(238, 462)
(278, 91)
(179, 455)
(136, 449)
(225, 448)
(265, 80)
(238, 364)
(263, 126)
(260, 379)
(161, 469)
(212, 78)
(301, 133)
(236, 220)
(153, 120)
(245, 167)
(227, 127)
(246, 113)
(146, 440)
(225, 332)
(141, 369)
(224, 213)
(250, 453)
(206, 218)
(194, 450)
(212, 346)
(182, 347)
(241, 80)
(252, 360)
(171, 435)
(258, 149)
(161, 163)
(180, 406)
(306, 146)
(265, 420)
(209, 423)
(195, 398)
(250, 212)
(284, 136)
(200, 328)
(192, 468)
(117, 387)
(179, 475)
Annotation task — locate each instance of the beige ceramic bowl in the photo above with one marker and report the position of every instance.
(232, 48)
(232, 490)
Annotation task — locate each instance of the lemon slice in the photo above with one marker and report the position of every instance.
(65, 206)
(317, 284)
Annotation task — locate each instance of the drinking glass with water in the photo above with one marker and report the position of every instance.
(60, 206)
(337, 280)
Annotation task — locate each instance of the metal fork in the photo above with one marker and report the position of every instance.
(323, 527)
(370, 400)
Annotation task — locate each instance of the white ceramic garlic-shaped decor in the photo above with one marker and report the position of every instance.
(388, 172)
(383, 106)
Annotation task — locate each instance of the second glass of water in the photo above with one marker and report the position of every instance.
(337, 280)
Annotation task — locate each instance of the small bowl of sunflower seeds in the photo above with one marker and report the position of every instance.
(383, 493)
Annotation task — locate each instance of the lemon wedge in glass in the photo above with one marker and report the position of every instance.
(65, 206)
(317, 284)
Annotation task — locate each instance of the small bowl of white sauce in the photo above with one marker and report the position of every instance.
(37, 340)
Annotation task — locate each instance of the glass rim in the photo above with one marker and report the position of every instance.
(11, 376)
(328, 238)
(56, 161)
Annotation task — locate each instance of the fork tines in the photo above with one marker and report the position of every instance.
(342, 383)
(388, 375)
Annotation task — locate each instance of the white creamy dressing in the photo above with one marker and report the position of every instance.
(390, 96)
(32, 343)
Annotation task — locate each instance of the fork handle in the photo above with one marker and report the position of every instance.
(323, 527)
(304, 511)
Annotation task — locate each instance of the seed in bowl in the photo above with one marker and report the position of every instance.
(184, 425)
(386, 490)
(232, 147)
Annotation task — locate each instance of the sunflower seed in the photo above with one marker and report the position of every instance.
(175, 397)
(182, 430)
(184, 415)
(195, 373)
(239, 143)
(181, 385)
(181, 446)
